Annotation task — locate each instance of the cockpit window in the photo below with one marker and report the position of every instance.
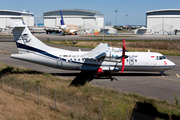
(163, 57)
(160, 57)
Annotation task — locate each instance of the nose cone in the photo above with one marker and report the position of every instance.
(171, 64)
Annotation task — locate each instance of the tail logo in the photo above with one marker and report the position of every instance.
(131, 61)
(26, 38)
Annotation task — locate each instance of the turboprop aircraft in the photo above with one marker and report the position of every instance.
(101, 59)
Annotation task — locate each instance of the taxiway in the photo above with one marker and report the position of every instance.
(149, 84)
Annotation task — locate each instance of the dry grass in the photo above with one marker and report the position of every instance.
(113, 104)
(19, 108)
(164, 47)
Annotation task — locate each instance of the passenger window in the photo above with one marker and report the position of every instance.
(74, 59)
(127, 60)
(135, 60)
(78, 59)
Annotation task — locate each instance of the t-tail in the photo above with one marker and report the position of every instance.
(25, 41)
(32, 49)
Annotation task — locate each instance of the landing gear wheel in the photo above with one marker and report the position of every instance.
(161, 72)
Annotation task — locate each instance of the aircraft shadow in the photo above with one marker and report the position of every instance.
(83, 77)
(108, 74)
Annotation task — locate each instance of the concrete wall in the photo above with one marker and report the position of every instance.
(50, 21)
(80, 21)
(6, 17)
(163, 23)
(29, 20)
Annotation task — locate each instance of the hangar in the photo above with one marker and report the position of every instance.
(8, 16)
(164, 21)
(84, 19)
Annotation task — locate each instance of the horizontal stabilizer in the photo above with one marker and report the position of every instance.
(96, 53)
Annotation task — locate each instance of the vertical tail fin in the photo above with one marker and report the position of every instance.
(62, 20)
(25, 41)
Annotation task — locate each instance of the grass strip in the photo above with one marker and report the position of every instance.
(113, 104)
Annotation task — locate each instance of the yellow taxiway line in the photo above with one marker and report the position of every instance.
(177, 75)
(165, 79)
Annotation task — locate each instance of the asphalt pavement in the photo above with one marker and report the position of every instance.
(149, 84)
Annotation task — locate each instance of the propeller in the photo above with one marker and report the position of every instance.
(123, 55)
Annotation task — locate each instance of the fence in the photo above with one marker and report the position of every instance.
(61, 101)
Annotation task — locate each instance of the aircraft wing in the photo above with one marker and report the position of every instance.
(96, 53)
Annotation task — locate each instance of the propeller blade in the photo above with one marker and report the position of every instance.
(123, 55)
(123, 60)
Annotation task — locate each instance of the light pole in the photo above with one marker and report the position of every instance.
(28, 18)
(126, 21)
(103, 32)
(116, 17)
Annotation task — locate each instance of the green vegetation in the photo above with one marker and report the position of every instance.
(113, 104)
(67, 44)
(176, 100)
(114, 36)
(6, 35)
(164, 47)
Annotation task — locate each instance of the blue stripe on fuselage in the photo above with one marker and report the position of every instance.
(19, 45)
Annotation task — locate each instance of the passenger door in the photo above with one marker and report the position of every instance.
(59, 62)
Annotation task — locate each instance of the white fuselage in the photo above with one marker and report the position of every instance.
(63, 59)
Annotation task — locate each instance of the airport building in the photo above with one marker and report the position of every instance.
(8, 16)
(84, 19)
(165, 21)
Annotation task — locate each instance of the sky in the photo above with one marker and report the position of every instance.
(134, 9)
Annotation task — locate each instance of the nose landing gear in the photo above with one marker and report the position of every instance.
(162, 73)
